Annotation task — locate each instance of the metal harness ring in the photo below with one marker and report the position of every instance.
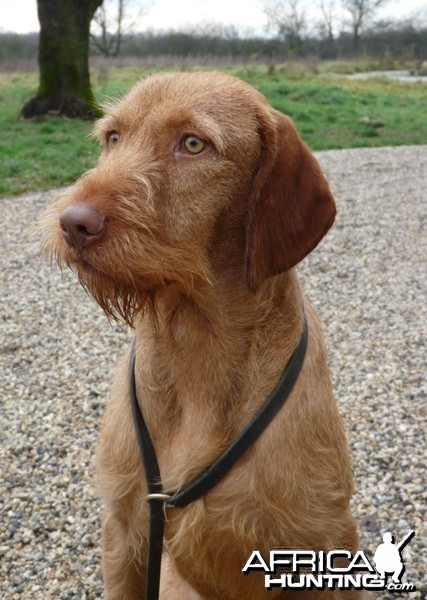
(164, 497)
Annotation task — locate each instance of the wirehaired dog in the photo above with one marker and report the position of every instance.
(188, 228)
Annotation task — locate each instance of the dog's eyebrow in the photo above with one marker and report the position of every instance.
(195, 122)
(103, 126)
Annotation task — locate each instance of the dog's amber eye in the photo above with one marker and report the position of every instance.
(193, 144)
(113, 137)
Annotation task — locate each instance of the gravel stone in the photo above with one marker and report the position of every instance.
(57, 352)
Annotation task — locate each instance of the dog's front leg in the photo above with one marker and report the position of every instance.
(123, 558)
(121, 483)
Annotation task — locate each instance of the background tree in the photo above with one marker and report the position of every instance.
(360, 11)
(289, 19)
(327, 23)
(112, 23)
(64, 84)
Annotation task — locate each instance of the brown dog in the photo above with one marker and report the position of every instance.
(202, 202)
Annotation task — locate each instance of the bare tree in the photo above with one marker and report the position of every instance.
(289, 19)
(327, 24)
(112, 22)
(360, 11)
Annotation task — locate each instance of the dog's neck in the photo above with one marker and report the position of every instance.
(210, 338)
(215, 356)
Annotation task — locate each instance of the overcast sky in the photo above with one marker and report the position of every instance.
(21, 15)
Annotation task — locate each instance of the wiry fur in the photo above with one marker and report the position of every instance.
(207, 243)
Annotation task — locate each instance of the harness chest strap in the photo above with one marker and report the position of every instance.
(206, 480)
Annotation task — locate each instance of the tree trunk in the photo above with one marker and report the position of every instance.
(64, 86)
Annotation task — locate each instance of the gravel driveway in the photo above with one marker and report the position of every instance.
(57, 351)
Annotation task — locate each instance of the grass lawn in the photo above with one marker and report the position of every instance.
(328, 113)
(38, 155)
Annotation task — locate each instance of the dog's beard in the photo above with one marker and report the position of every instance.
(124, 277)
(118, 299)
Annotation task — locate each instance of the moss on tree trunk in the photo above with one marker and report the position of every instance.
(64, 86)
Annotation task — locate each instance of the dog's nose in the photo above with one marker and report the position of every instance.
(82, 225)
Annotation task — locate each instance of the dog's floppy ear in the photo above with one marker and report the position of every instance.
(291, 207)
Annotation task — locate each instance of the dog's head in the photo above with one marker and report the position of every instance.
(198, 175)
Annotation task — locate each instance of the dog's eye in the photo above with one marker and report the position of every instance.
(112, 137)
(193, 144)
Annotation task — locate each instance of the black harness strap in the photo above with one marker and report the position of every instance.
(152, 474)
(206, 480)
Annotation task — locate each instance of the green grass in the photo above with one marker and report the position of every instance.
(54, 152)
(38, 155)
(328, 112)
